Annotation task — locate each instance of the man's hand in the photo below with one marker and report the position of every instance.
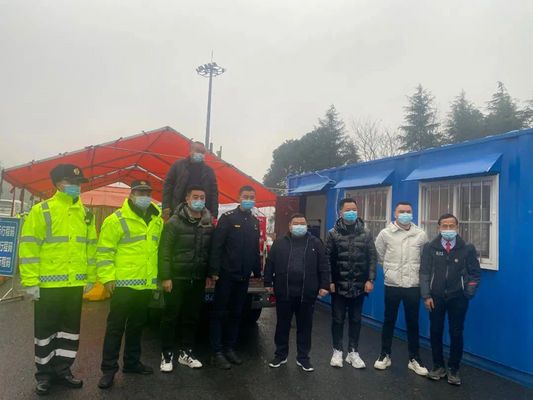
(166, 213)
(214, 278)
(429, 304)
(332, 288)
(88, 287)
(322, 292)
(269, 290)
(167, 285)
(110, 286)
(369, 287)
(34, 292)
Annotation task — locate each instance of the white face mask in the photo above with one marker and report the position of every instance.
(143, 202)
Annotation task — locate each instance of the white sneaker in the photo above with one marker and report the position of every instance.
(354, 359)
(188, 359)
(416, 366)
(166, 363)
(336, 360)
(383, 362)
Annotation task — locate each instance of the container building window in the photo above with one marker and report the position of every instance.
(475, 203)
(373, 206)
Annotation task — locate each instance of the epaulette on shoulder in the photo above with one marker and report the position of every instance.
(229, 212)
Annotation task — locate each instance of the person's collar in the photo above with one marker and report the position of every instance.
(398, 227)
(453, 242)
(65, 198)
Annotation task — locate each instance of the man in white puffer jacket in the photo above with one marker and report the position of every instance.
(399, 248)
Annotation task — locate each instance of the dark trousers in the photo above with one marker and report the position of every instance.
(304, 325)
(339, 306)
(411, 305)
(57, 331)
(456, 309)
(230, 297)
(129, 311)
(183, 303)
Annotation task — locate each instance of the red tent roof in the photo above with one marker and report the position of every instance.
(109, 196)
(148, 155)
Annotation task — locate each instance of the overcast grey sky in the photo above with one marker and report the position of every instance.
(75, 73)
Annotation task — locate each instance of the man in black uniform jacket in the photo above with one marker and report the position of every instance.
(235, 254)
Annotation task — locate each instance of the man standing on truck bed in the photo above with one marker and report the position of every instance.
(183, 267)
(184, 173)
(235, 254)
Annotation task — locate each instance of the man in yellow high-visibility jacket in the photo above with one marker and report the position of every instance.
(127, 266)
(57, 259)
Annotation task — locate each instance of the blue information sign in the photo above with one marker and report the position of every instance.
(9, 238)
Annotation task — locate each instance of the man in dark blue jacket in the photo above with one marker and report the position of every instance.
(296, 271)
(234, 256)
(449, 277)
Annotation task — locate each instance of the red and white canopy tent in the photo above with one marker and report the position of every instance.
(148, 155)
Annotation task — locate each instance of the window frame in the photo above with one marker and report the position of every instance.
(492, 263)
(365, 191)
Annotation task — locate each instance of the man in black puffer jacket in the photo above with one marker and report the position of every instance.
(297, 272)
(352, 256)
(183, 267)
(449, 277)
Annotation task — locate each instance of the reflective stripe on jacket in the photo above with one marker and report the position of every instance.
(127, 249)
(399, 253)
(57, 246)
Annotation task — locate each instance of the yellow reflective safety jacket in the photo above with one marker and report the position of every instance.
(127, 249)
(58, 244)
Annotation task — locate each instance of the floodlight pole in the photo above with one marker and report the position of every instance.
(209, 71)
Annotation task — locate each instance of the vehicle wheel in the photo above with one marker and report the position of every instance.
(252, 316)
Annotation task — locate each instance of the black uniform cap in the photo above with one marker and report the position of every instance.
(141, 184)
(67, 171)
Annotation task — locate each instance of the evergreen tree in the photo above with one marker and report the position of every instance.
(465, 121)
(421, 122)
(503, 113)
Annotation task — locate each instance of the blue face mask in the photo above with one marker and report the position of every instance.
(248, 204)
(143, 202)
(350, 216)
(197, 205)
(405, 218)
(299, 230)
(198, 157)
(72, 191)
(448, 235)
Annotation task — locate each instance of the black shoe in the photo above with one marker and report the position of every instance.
(70, 381)
(305, 365)
(220, 361)
(453, 377)
(232, 357)
(43, 388)
(139, 369)
(437, 373)
(106, 381)
(277, 362)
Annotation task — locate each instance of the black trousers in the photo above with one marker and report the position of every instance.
(456, 309)
(129, 311)
(57, 331)
(230, 297)
(183, 303)
(304, 325)
(411, 305)
(339, 305)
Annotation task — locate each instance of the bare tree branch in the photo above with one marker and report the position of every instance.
(374, 141)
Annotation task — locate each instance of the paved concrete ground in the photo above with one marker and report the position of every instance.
(253, 380)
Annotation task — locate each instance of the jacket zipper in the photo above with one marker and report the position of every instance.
(305, 253)
(288, 268)
(463, 283)
(446, 281)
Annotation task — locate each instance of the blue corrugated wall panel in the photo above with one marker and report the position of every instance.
(499, 324)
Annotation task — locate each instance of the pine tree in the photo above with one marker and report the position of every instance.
(503, 113)
(421, 129)
(465, 121)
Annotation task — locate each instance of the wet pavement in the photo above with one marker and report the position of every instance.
(253, 380)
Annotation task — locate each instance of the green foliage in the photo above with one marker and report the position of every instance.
(421, 129)
(327, 146)
(465, 121)
(503, 114)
